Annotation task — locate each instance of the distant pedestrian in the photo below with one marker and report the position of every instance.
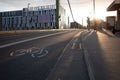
(88, 23)
(95, 24)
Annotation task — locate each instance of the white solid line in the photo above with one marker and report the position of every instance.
(62, 54)
(73, 45)
(80, 46)
(78, 34)
(31, 39)
(89, 65)
(88, 61)
(88, 35)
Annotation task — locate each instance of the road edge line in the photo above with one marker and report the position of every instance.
(62, 54)
(31, 39)
(87, 61)
(58, 60)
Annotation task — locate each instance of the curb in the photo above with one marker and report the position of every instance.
(108, 31)
(87, 61)
(28, 31)
(60, 58)
(22, 31)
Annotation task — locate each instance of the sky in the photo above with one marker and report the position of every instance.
(81, 8)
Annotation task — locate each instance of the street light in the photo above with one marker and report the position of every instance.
(94, 8)
(94, 14)
(57, 13)
(28, 15)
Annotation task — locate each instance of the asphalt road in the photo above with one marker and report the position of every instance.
(14, 37)
(35, 56)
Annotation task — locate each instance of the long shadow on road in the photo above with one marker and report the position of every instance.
(95, 54)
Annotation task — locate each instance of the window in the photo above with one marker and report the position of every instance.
(51, 24)
(45, 12)
(39, 12)
(45, 24)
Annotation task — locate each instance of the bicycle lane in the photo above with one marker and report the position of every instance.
(71, 65)
(29, 65)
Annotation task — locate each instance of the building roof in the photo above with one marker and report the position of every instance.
(115, 5)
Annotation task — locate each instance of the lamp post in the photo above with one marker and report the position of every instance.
(57, 13)
(82, 22)
(28, 16)
(94, 8)
(94, 14)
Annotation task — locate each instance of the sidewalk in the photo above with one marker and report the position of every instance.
(109, 32)
(19, 31)
(27, 31)
(104, 54)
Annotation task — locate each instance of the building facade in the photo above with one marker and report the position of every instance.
(115, 6)
(41, 17)
(75, 25)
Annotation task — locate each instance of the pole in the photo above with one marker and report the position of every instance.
(28, 16)
(94, 8)
(68, 21)
(94, 14)
(82, 21)
(57, 13)
(71, 10)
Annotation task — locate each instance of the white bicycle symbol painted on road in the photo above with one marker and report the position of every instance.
(34, 52)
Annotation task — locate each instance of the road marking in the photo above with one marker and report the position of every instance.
(46, 52)
(88, 61)
(76, 45)
(91, 32)
(34, 52)
(63, 53)
(43, 52)
(89, 66)
(80, 46)
(75, 36)
(76, 40)
(31, 39)
(18, 52)
(73, 45)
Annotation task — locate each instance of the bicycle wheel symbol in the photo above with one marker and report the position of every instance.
(18, 52)
(34, 52)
